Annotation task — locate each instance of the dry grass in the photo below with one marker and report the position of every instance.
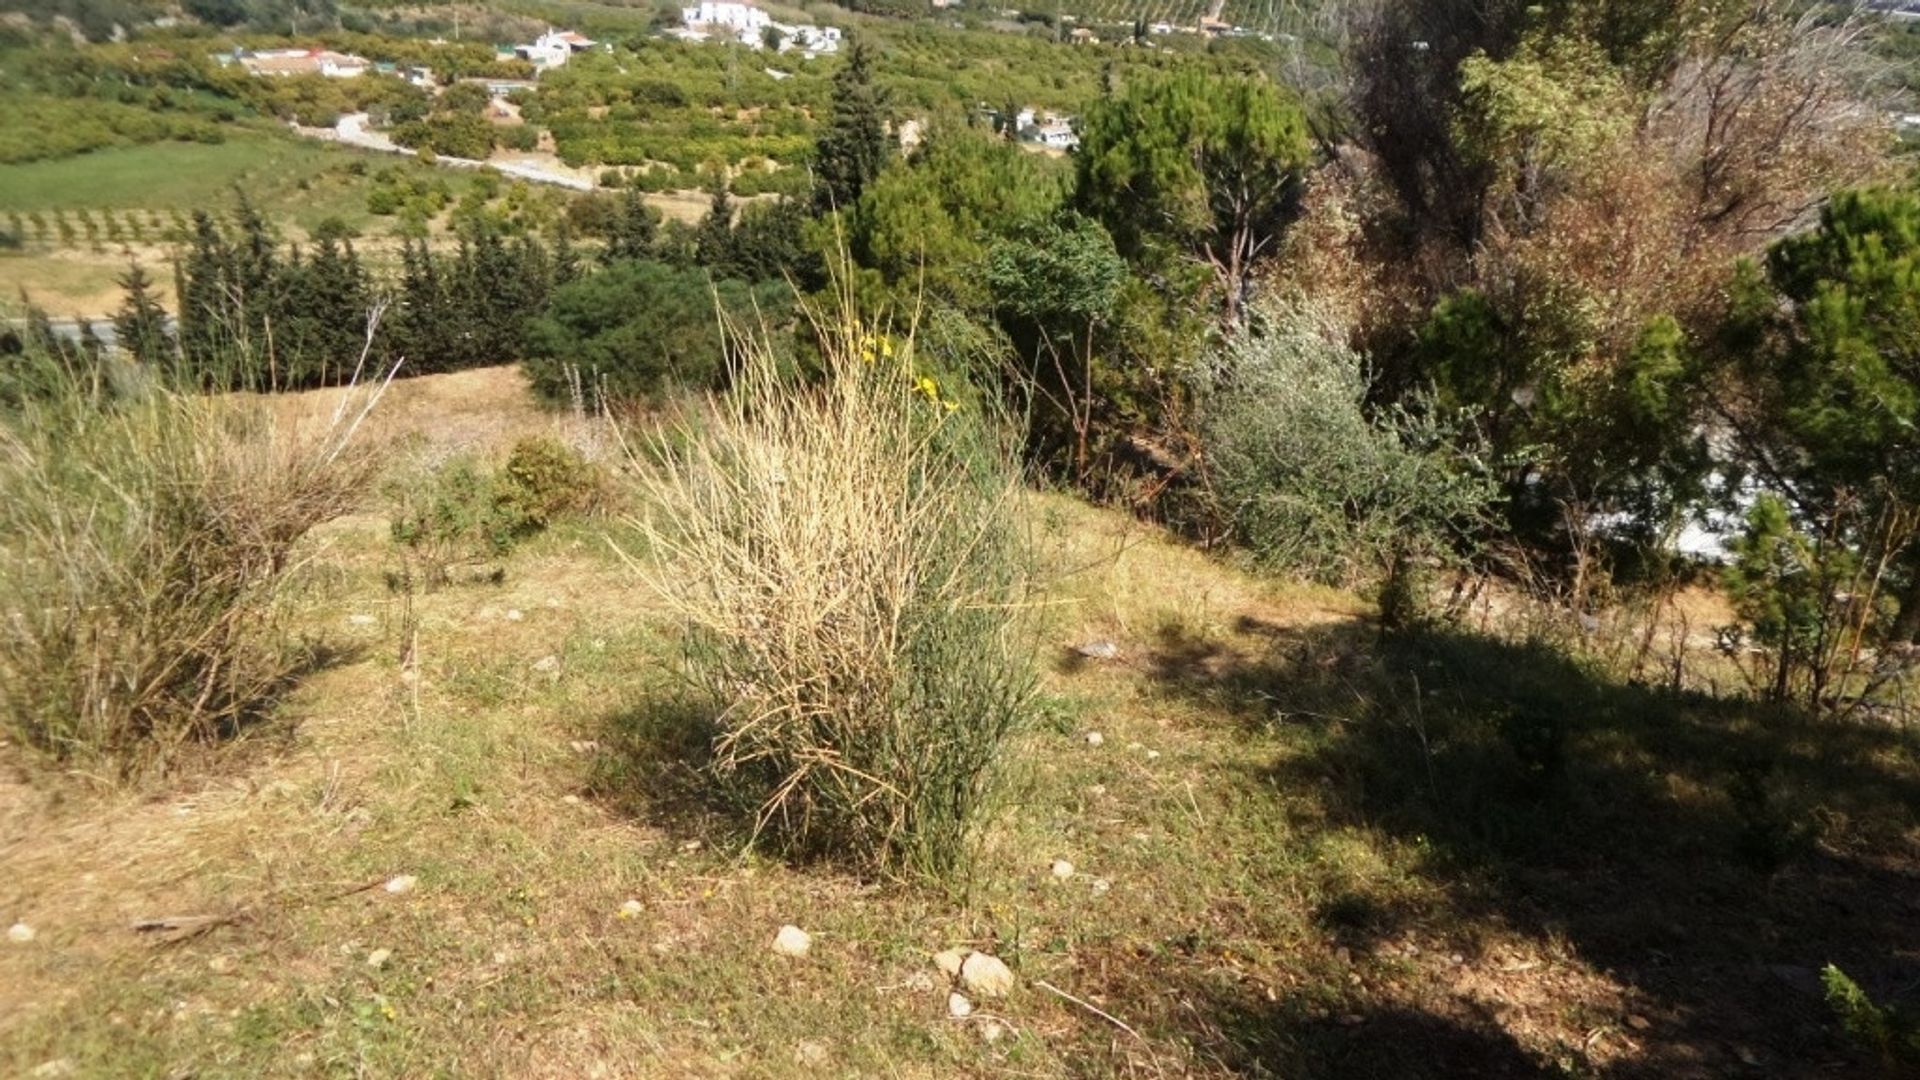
(145, 545)
(1265, 882)
(847, 561)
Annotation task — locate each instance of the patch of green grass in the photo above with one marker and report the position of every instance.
(287, 179)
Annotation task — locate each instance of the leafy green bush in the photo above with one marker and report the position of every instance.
(847, 561)
(145, 546)
(543, 481)
(638, 329)
(1313, 483)
(1892, 1034)
(460, 511)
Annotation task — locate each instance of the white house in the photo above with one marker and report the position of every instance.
(741, 19)
(326, 62)
(553, 48)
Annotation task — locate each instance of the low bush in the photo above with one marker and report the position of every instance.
(846, 559)
(146, 542)
(1310, 480)
(459, 510)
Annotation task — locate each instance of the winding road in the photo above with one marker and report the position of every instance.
(352, 130)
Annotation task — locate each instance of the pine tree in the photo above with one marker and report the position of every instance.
(566, 260)
(713, 238)
(205, 311)
(855, 146)
(141, 324)
(634, 231)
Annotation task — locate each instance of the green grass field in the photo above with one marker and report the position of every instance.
(288, 179)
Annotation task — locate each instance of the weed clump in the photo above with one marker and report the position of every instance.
(845, 557)
(146, 541)
(460, 509)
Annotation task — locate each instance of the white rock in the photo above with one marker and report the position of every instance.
(792, 941)
(949, 962)
(992, 1030)
(1062, 869)
(360, 618)
(378, 958)
(570, 800)
(19, 933)
(514, 615)
(810, 1052)
(1101, 885)
(958, 1006)
(1153, 755)
(631, 909)
(1098, 650)
(1094, 738)
(402, 884)
(547, 663)
(985, 975)
(56, 1067)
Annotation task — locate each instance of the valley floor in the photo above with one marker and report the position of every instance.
(1298, 848)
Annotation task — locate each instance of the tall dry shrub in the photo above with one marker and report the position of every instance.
(847, 559)
(146, 541)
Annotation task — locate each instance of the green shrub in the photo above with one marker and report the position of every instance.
(1312, 482)
(543, 481)
(846, 560)
(460, 511)
(145, 545)
(1889, 1033)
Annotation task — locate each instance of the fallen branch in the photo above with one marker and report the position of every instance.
(185, 927)
(1094, 1009)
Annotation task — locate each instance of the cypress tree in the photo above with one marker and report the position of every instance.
(855, 145)
(141, 324)
(713, 239)
(201, 287)
(633, 233)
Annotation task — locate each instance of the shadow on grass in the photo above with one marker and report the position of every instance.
(653, 767)
(1709, 856)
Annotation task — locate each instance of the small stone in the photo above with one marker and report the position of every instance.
(360, 618)
(403, 884)
(584, 746)
(548, 663)
(1101, 886)
(499, 956)
(958, 1006)
(19, 933)
(1638, 1022)
(514, 615)
(1094, 738)
(570, 800)
(378, 958)
(792, 941)
(631, 909)
(56, 1067)
(1098, 650)
(985, 975)
(1062, 869)
(220, 965)
(950, 961)
(810, 1052)
(1096, 791)
(1153, 755)
(690, 846)
(1457, 958)
(992, 1031)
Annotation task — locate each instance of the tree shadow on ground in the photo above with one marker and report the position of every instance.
(1709, 856)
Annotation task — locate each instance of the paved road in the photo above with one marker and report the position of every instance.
(352, 130)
